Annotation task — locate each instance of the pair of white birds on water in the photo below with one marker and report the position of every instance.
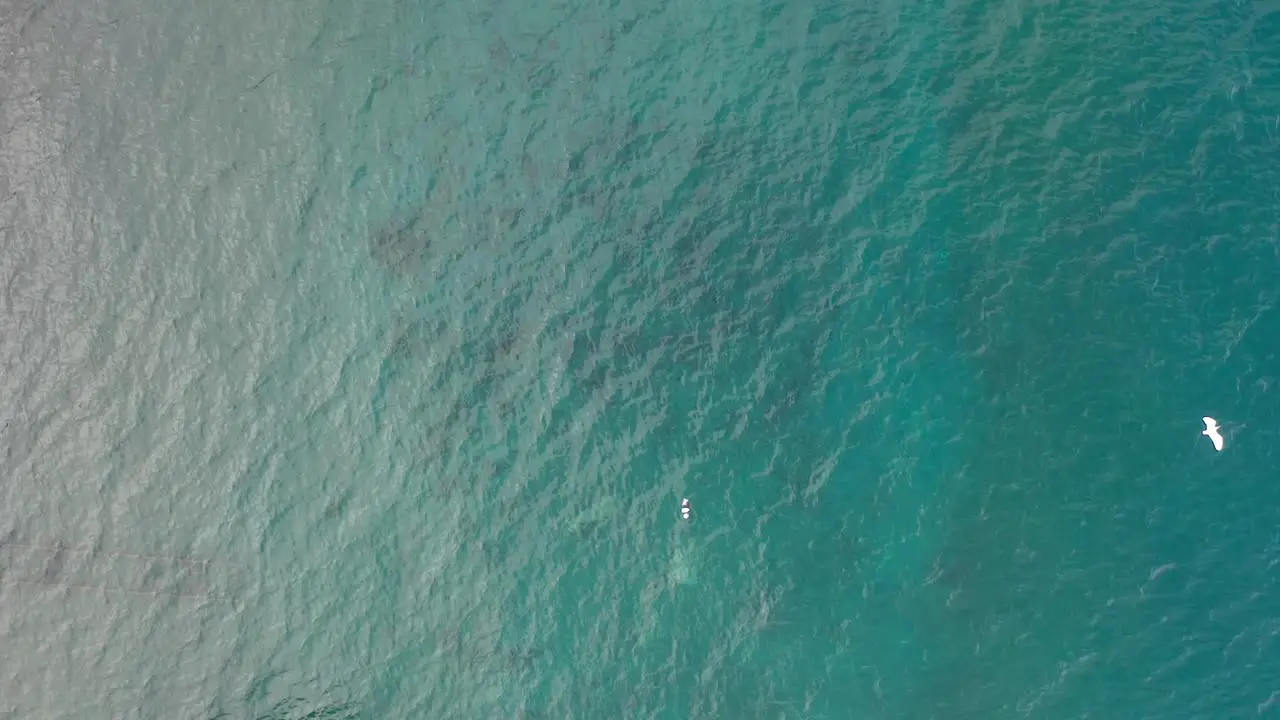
(1210, 431)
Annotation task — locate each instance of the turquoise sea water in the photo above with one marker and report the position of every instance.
(356, 357)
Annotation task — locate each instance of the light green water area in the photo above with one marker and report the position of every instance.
(355, 358)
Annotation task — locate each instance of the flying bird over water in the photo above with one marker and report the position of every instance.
(1211, 431)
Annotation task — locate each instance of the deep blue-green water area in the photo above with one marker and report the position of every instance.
(356, 358)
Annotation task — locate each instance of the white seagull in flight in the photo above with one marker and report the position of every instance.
(1211, 431)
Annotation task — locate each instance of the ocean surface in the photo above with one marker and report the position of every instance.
(355, 358)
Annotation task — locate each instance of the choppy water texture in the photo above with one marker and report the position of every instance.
(356, 357)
